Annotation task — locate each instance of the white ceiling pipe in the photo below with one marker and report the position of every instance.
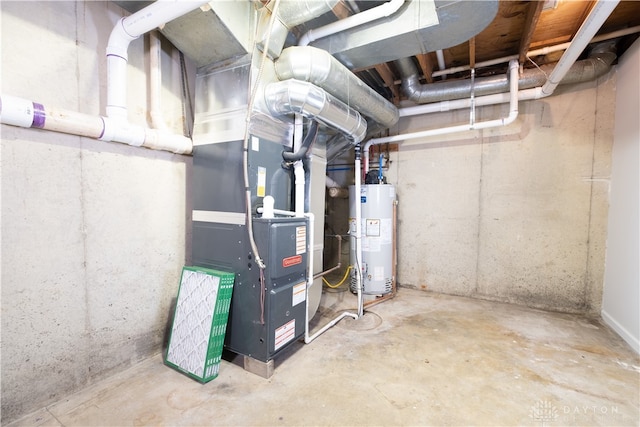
(115, 126)
(590, 26)
(155, 82)
(598, 63)
(510, 118)
(352, 21)
(440, 57)
(28, 114)
(588, 29)
(441, 63)
(537, 52)
(125, 31)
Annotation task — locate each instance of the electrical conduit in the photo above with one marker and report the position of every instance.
(293, 96)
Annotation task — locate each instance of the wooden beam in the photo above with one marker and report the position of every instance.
(386, 74)
(426, 65)
(472, 52)
(533, 14)
(587, 9)
(341, 10)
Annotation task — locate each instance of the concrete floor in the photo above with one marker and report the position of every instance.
(419, 359)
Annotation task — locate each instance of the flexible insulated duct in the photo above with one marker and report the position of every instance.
(293, 96)
(599, 62)
(309, 64)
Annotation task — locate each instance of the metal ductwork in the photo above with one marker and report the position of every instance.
(294, 96)
(289, 14)
(599, 62)
(316, 66)
(419, 26)
(294, 12)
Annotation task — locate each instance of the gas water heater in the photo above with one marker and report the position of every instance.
(377, 229)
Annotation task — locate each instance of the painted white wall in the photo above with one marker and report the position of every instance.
(621, 299)
(93, 233)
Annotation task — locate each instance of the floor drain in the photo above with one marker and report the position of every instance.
(365, 323)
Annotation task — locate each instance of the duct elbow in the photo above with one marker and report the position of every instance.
(316, 66)
(293, 96)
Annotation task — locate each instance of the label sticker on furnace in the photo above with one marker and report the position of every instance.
(262, 181)
(284, 334)
(301, 240)
(298, 295)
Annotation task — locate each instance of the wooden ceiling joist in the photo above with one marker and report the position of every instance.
(472, 52)
(341, 10)
(387, 77)
(426, 65)
(533, 15)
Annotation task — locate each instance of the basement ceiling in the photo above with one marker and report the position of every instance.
(518, 27)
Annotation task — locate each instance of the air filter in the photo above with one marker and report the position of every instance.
(200, 322)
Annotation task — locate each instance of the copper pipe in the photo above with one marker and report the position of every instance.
(322, 273)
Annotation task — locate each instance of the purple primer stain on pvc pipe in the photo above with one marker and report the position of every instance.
(104, 126)
(39, 116)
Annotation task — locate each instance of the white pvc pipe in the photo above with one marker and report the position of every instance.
(441, 63)
(298, 173)
(298, 167)
(155, 82)
(114, 127)
(352, 21)
(358, 237)
(588, 29)
(125, 31)
(536, 52)
(25, 113)
(440, 57)
(510, 118)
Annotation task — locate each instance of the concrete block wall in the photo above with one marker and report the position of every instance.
(515, 214)
(93, 233)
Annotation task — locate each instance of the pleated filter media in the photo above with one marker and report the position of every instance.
(200, 322)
